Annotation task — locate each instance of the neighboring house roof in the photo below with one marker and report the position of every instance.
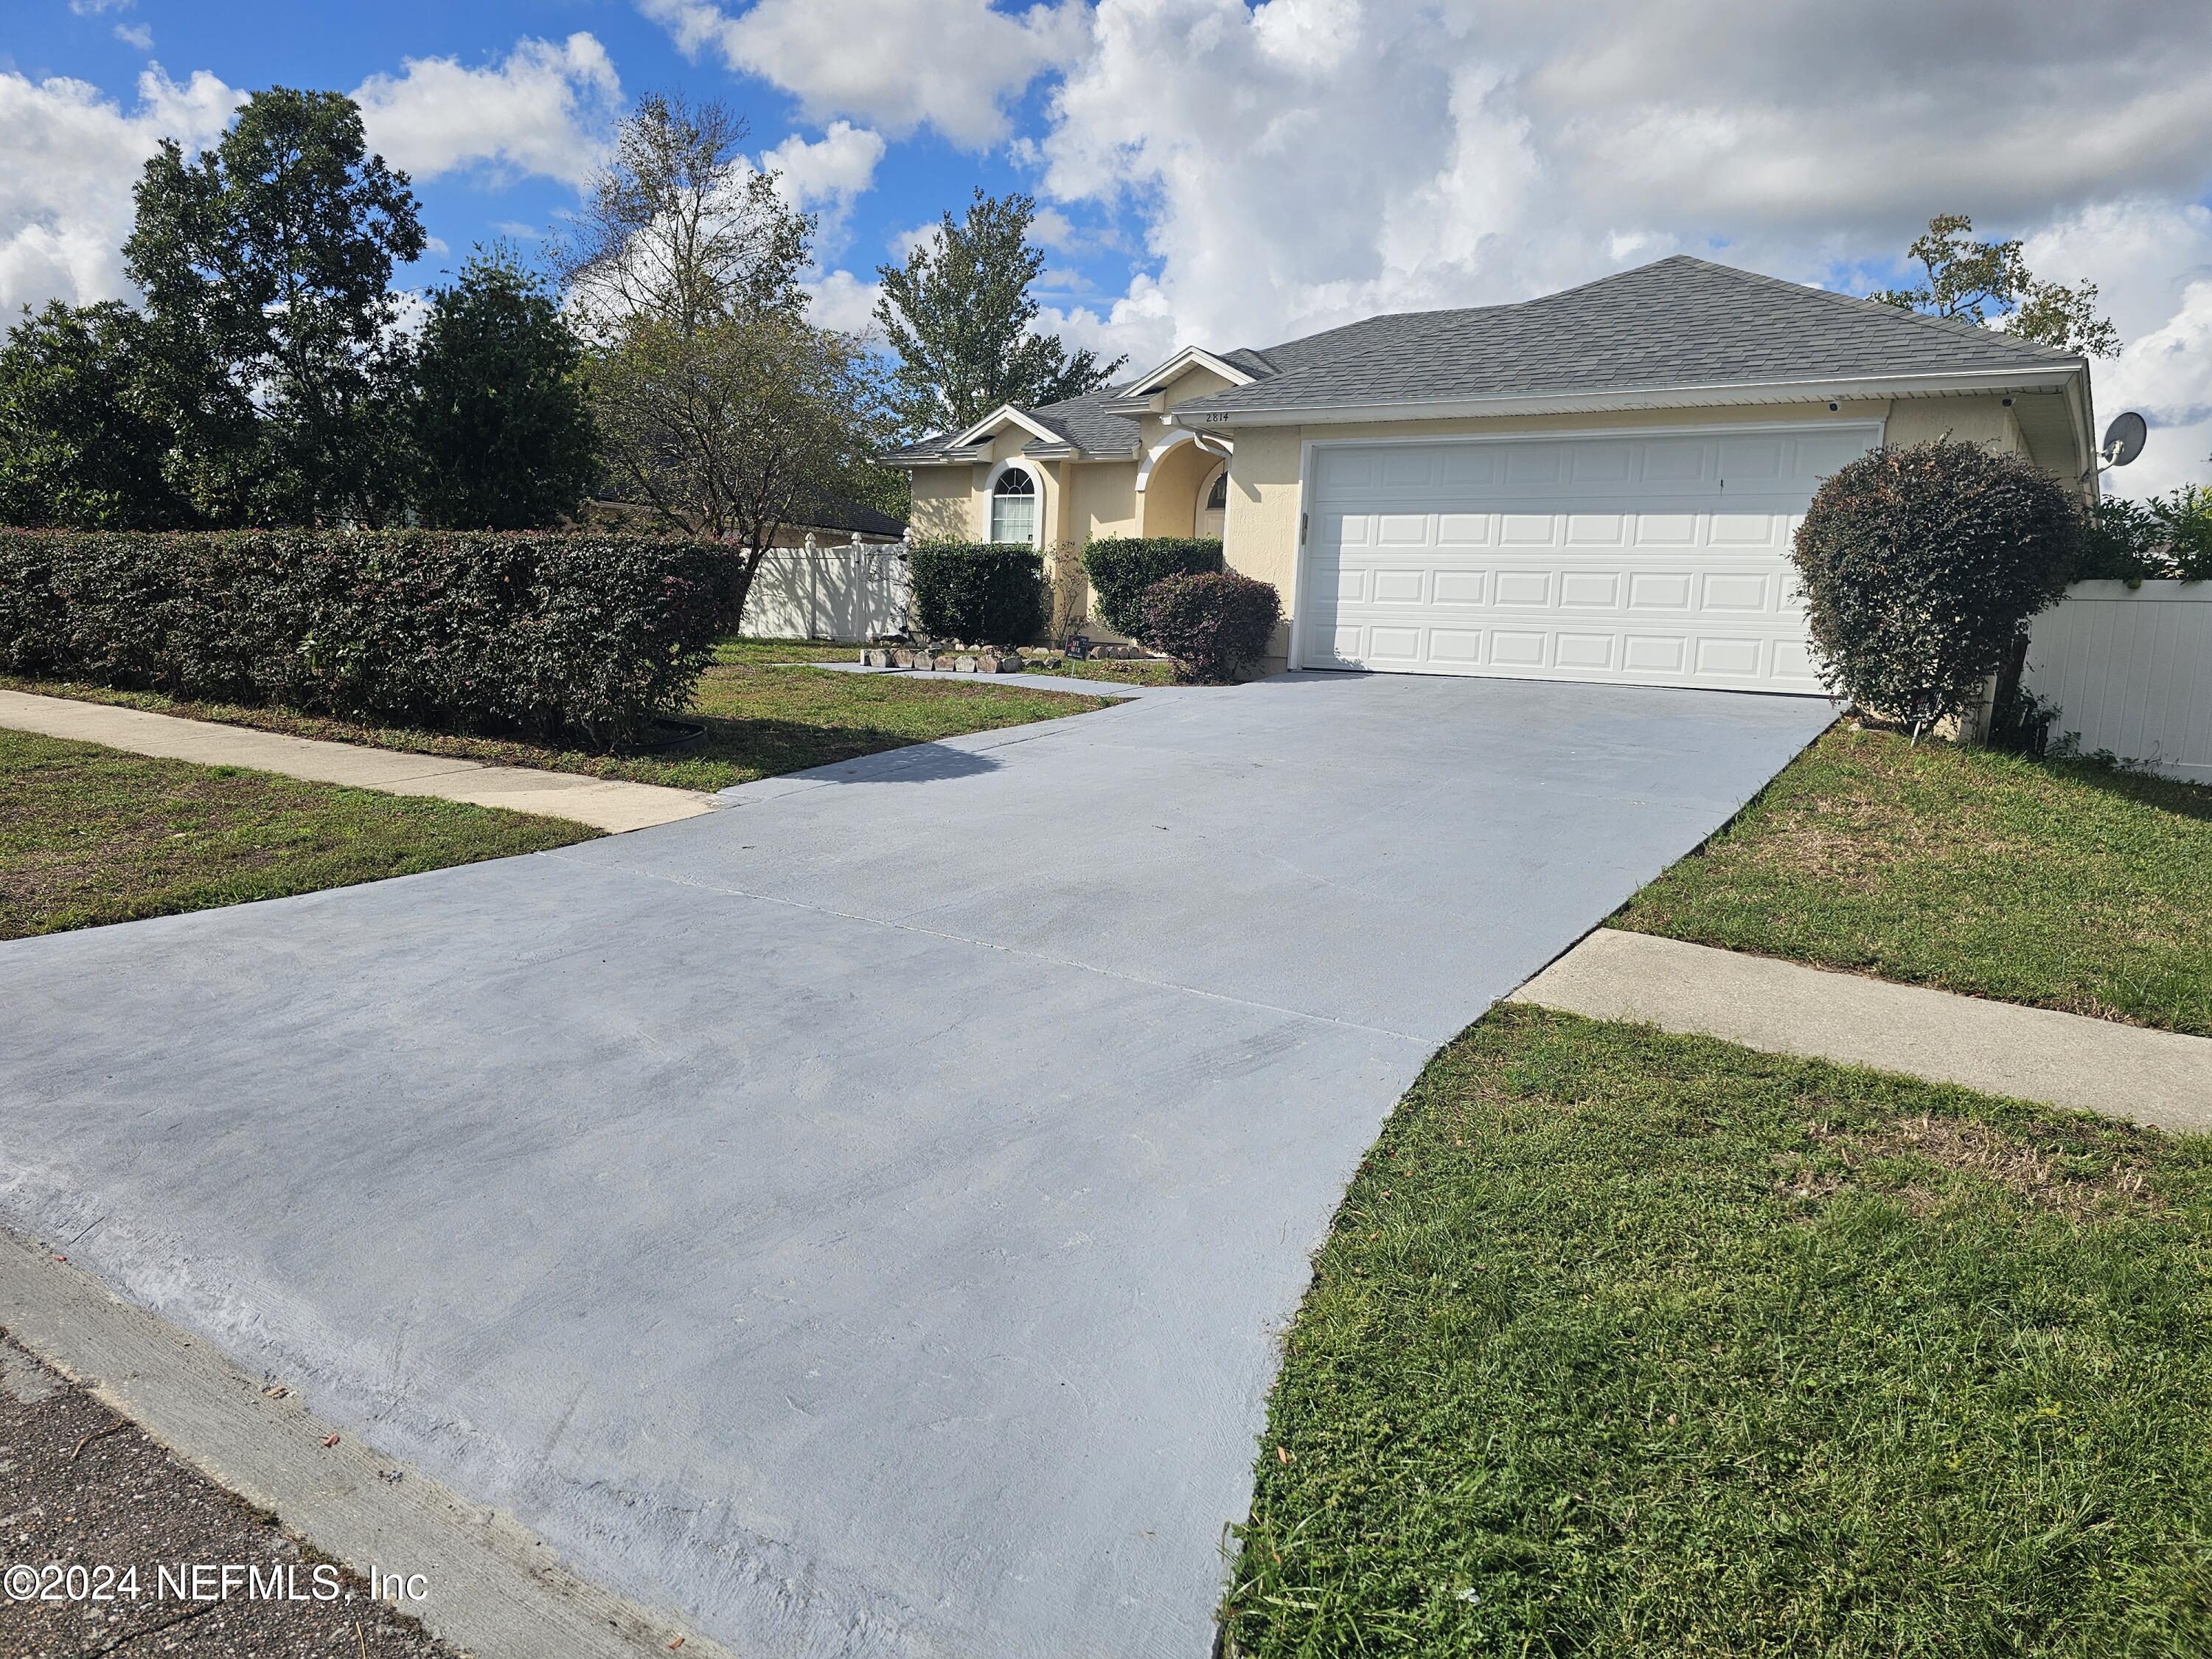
(831, 513)
(1681, 324)
(835, 512)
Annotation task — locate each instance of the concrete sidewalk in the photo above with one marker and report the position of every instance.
(2159, 1077)
(604, 803)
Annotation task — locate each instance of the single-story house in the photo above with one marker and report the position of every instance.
(1600, 485)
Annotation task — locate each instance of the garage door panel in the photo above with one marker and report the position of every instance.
(1462, 587)
(1585, 589)
(1651, 561)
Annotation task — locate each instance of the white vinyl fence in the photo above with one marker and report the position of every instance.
(2130, 670)
(848, 592)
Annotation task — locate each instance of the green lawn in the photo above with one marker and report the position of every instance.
(2063, 884)
(1111, 671)
(765, 712)
(90, 835)
(1630, 1344)
(1118, 672)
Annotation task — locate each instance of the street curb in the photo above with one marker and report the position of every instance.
(493, 1589)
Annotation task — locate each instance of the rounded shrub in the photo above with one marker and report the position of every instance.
(1920, 567)
(1122, 569)
(978, 592)
(1215, 624)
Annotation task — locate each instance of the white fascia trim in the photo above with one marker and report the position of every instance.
(1720, 396)
(997, 417)
(1191, 357)
(1173, 440)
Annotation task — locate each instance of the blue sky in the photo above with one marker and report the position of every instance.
(1230, 174)
(252, 44)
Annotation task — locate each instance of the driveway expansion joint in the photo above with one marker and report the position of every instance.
(1014, 951)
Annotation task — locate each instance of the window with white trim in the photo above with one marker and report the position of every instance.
(1014, 508)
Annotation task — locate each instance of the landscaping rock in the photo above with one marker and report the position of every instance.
(903, 658)
(963, 664)
(925, 660)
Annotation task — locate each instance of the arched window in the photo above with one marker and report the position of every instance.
(1213, 506)
(1014, 508)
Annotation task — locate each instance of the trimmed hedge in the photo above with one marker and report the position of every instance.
(555, 635)
(1122, 568)
(1920, 567)
(978, 592)
(1215, 624)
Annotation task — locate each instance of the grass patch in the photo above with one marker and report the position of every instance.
(90, 835)
(1120, 672)
(765, 712)
(2063, 884)
(1630, 1344)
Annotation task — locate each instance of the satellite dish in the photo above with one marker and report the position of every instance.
(2124, 439)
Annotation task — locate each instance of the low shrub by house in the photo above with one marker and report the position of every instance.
(1920, 567)
(1215, 624)
(978, 592)
(561, 634)
(1123, 568)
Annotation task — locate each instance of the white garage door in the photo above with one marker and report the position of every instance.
(1643, 561)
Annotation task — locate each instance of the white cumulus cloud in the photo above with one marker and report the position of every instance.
(896, 65)
(1299, 163)
(69, 157)
(829, 171)
(841, 300)
(545, 109)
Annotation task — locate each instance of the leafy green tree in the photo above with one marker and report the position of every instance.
(679, 226)
(83, 443)
(738, 428)
(266, 264)
(1977, 281)
(959, 315)
(501, 420)
(723, 411)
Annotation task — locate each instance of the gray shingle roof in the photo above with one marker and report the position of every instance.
(1086, 425)
(1679, 322)
(1079, 420)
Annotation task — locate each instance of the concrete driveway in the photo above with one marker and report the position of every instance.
(859, 1220)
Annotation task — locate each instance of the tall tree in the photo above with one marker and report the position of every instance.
(739, 428)
(723, 411)
(681, 227)
(83, 441)
(266, 264)
(960, 316)
(1979, 281)
(501, 421)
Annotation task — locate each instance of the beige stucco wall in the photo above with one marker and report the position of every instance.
(943, 503)
(1261, 537)
(1196, 381)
